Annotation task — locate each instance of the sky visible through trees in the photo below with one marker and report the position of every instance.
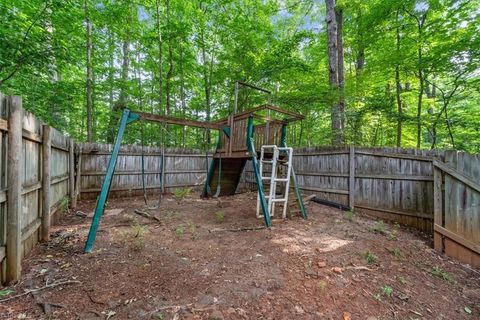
(368, 73)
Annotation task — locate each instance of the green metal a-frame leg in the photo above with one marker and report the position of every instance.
(298, 194)
(258, 178)
(127, 117)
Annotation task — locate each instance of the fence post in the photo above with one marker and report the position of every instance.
(71, 172)
(46, 151)
(351, 180)
(77, 179)
(14, 193)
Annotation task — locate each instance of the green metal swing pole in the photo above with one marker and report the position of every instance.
(127, 117)
(258, 178)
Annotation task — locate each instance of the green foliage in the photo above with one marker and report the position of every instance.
(206, 46)
(349, 215)
(387, 291)
(179, 231)
(402, 280)
(322, 285)
(139, 232)
(181, 193)
(370, 257)
(398, 253)
(64, 205)
(6, 292)
(439, 272)
(220, 217)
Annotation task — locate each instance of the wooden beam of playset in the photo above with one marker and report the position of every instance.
(179, 121)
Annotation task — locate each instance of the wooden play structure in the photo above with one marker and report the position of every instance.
(241, 137)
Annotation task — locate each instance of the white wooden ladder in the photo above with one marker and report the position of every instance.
(273, 178)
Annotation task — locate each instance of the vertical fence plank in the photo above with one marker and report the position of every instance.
(71, 171)
(437, 207)
(46, 152)
(351, 178)
(14, 234)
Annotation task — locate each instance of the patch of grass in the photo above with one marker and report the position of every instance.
(64, 204)
(322, 285)
(378, 297)
(159, 316)
(192, 229)
(380, 227)
(398, 253)
(179, 231)
(6, 292)
(370, 257)
(181, 193)
(139, 232)
(396, 226)
(349, 215)
(387, 291)
(220, 217)
(439, 272)
(402, 280)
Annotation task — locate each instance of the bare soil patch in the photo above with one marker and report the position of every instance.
(327, 267)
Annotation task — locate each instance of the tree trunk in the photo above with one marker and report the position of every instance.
(170, 63)
(341, 73)
(182, 93)
(52, 68)
(334, 77)
(160, 60)
(206, 83)
(398, 86)
(122, 99)
(89, 82)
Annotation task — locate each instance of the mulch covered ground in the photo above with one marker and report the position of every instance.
(184, 266)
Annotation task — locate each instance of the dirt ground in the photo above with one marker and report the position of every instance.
(331, 266)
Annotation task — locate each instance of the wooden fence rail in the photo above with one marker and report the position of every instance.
(34, 182)
(390, 183)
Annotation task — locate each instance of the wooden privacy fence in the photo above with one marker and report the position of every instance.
(457, 206)
(178, 168)
(36, 180)
(390, 183)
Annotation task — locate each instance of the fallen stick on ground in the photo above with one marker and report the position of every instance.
(359, 268)
(238, 229)
(55, 284)
(147, 215)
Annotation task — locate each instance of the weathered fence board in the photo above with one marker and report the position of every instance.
(390, 183)
(28, 212)
(181, 169)
(457, 206)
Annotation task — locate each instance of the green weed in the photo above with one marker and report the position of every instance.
(398, 253)
(192, 229)
(181, 193)
(64, 204)
(387, 291)
(439, 272)
(139, 232)
(370, 257)
(179, 231)
(6, 292)
(349, 215)
(402, 280)
(220, 217)
(322, 285)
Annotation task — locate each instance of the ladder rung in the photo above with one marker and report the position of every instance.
(266, 161)
(281, 179)
(279, 200)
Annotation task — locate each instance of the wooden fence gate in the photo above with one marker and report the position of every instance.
(457, 206)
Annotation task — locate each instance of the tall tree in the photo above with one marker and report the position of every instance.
(89, 82)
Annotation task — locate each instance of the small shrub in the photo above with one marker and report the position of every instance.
(6, 292)
(181, 193)
(220, 217)
(139, 232)
(64, 204)
(402, 280)
(439, 272)
(398, 253)
(179, 231)
(322, 285)
(192, 229)
(370, 257)
(349, 215)
(387, 291)
(380, 227)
